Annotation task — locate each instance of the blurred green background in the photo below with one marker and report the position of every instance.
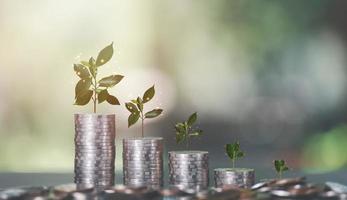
(271, 74)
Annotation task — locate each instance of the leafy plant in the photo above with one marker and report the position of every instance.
(280, 166)
(89, 87)
(233, 151)
(185, 130)
(136, 109)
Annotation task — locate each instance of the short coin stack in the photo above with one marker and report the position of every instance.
(94, 150)
(240, 177)
(189, 169)
(143, 162)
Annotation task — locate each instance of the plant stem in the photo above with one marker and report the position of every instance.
(95, 88)
(233, 160)
(142, 124)
(187, 138)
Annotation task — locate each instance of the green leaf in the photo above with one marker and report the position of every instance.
(139, 104)
(149, 94)
(179, 137)
(112, 100)
(81, 71)
(180, 128)
(92, 68)
(110, 81)
(133, 117)
(240, 154)
(196, 133)
(285, 169)
(278, 165)
(153, 113)
(102, 96)
(192, 119)
(131, 107)
(85, 63)
(82, 86)
(84, 98)
(229, 148)
(104, 55)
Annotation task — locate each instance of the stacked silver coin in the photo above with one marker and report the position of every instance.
(240, 177)
(143, 162)
(94, 150)
(189, 169)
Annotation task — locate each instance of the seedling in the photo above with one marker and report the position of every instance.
(89, 87)
(136, 109)
(280, 166)
(185, 130)
(233, 151)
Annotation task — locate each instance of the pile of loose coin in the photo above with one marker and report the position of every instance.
(94, 150)
(299, 188)
(143, 162)
(189, 169)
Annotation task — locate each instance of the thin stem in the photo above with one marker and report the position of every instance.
(233, 160)
(142, 123)
(142, 126)
(94, 99)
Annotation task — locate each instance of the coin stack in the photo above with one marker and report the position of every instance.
(240, 177)
(94, 150)
(143, 162)
(189, 170)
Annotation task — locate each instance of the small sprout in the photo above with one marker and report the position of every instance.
(184, 130)
(233, 151)
(135, 107)
(88, 87)
(280, 167)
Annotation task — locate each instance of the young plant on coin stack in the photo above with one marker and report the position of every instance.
(89, 87)
(95, 133)
(188, 169)
(240, 177)
(185, 130)
(142, 156)
(136, 109)
(280, 167)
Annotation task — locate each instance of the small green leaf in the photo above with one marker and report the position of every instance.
(179, 137)
(240, 154)
(104, 55)
(192, 119)
(102, 96)
(196, 133)
(229, 148)
(133, 117)
(85, 63)
(82, 86)
(110, 81)
(81, 71)
(149, 94)
(131, 107)
(153, 113)
(278, 165)
(139, 104)
(92, 68)
(180, 128)
(112, 100)
(84, 98)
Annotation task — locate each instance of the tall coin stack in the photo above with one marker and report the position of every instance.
(189, 169)
(143, 162)
(240, 177)
(94, 150)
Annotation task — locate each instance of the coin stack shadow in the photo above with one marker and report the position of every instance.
(94, 150)
(240, 177)
(189, 169)
(143, 162)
